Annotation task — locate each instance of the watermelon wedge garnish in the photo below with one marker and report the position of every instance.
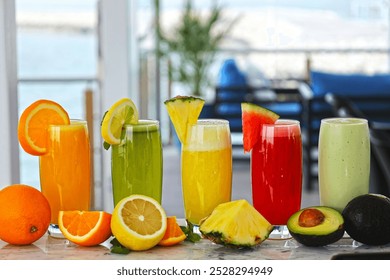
(253, 118)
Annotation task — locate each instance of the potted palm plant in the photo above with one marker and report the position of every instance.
(192, 46)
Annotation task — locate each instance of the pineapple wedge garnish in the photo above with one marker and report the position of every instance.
(183, 112)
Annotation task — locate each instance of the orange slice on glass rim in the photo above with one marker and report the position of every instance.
(85, 228)
(173, 235)
(34, 123)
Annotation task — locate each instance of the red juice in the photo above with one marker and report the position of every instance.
(276, 169)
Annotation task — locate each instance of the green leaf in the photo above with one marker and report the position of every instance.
(103, 117)
(106, 146)
(189, 232)
(118, 248)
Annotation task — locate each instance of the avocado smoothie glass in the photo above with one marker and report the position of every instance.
(136, 163)
(343, 160)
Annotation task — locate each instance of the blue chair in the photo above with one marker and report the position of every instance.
(231, 90)
(370, 93)
(230, 76)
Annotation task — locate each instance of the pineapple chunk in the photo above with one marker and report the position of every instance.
(237, 224)
(183, 112)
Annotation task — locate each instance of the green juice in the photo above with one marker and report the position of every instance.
(343, 161)
(136, 163)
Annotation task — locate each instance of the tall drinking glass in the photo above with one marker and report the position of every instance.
(206, 166)
(343, 160)
(65, 170)
(136, 163)
(276, 170)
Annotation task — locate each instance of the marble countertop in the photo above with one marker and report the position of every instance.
(48, 248)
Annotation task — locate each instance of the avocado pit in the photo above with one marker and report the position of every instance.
(311, 217)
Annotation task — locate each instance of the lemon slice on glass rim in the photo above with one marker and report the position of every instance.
(120, 113)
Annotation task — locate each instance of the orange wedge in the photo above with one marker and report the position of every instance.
(85, 228)
(34, 123)
(173, 235)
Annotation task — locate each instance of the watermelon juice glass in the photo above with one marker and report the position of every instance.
(276, 170)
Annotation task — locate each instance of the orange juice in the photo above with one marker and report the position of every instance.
(65, 169)
(206, 168)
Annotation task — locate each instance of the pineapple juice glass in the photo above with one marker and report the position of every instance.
(65, 170)
(206, 166)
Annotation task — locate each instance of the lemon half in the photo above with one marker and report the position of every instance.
(138, 222)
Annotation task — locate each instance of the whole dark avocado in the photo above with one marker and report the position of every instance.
(316, 226)
(367, 219)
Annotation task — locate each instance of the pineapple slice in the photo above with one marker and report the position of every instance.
(236, 224)
(183, 112)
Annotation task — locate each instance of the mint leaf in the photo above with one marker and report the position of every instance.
(118, 248)
(106, 146)
(189, 232)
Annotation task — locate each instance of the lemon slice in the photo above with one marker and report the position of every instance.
(138, 222)
(122, 112)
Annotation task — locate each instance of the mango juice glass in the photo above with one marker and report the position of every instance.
(206, 166)
(65, 170)
(343, 160)
(136, 163)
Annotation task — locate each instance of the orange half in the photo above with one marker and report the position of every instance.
(85, 228)
(34, 123)
(173, 235)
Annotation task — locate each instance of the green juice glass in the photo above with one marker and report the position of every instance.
(136, 163)
(343, 161)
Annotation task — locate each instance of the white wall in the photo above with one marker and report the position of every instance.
(9, 145)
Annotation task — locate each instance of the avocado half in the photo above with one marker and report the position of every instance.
(323, 228)
(367, 219)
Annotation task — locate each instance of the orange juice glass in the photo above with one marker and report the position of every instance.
(65, 170)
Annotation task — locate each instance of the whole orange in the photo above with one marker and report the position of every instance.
(24, 214)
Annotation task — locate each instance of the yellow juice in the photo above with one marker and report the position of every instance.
(65, 169)
(206, 170)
